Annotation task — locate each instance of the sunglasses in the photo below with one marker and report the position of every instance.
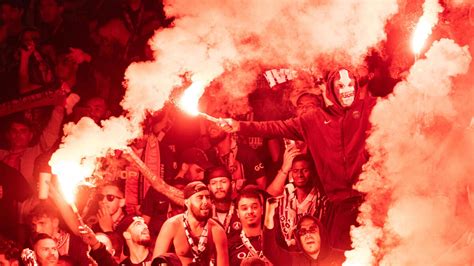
(312, 230)
(109, 197)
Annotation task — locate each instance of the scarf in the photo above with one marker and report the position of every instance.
(198, 249)
(290, 210)
(251, 248)
(227, 218)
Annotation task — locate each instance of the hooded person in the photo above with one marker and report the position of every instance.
(310, 237)
(335, 135)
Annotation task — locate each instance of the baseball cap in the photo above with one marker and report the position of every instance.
(193, 188)
(195, 156)
(216, 171)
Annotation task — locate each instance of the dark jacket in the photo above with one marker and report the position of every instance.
(335, 136)
(102, 256)
(280, 256)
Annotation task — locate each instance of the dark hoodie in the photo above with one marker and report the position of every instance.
(335, 136)
(280, 256)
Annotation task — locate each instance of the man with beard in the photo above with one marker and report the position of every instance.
(335, 135)
(46, 250)
(137, 240)
(298, 198)
(110, 200)
(309, 234)
(240, 160)
(197, 240)
(248, 243)
(219, 182)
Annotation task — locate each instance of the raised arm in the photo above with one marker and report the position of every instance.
(271, 249)
(64, 209)
(278, 184)
(291, 128)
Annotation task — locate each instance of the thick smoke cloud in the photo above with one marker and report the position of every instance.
(419, 167)
(225, 42)
(212, 37)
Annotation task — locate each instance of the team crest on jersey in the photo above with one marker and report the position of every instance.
(236, 226)
(356, 114)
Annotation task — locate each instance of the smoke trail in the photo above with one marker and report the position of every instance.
(226, 42)
(417, 168)
(213, 37)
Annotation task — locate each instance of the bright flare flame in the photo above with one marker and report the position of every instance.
(190, 99)
(70, 175)
(422, 32)
(427, 21)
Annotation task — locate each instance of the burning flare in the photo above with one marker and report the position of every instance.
(427, 21)
(190, 99)
(70, 175)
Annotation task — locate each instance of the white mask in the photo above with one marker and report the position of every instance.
(347, 92)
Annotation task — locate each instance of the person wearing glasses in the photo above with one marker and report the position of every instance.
(335, 135)
(303, 195)
(310, 235)
(111, 201)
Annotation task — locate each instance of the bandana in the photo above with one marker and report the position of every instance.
(198, 249)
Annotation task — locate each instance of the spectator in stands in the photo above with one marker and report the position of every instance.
(141, 19)
(46, 250)
(21, 153)
(9, 252)
(97, 109)
(111, 202)
(45, 220)
(72, 70)
(219, 182)
(241, 161)
(11, 13)
(336, 136)
(301, 196)
(100, 251)
(248, 243)
(110, 62)
(137, 240)
(310, 235)
(35, 70)
(182, 231)
(59, 31)
(193, 164)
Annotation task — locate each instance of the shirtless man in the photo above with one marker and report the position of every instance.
(197, 239)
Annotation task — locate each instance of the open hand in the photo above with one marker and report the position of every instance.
(290, 152)
(105, 219)
(229, 125)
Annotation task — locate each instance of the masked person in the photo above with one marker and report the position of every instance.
(197, 240)
(335, 135)
(310, 236)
